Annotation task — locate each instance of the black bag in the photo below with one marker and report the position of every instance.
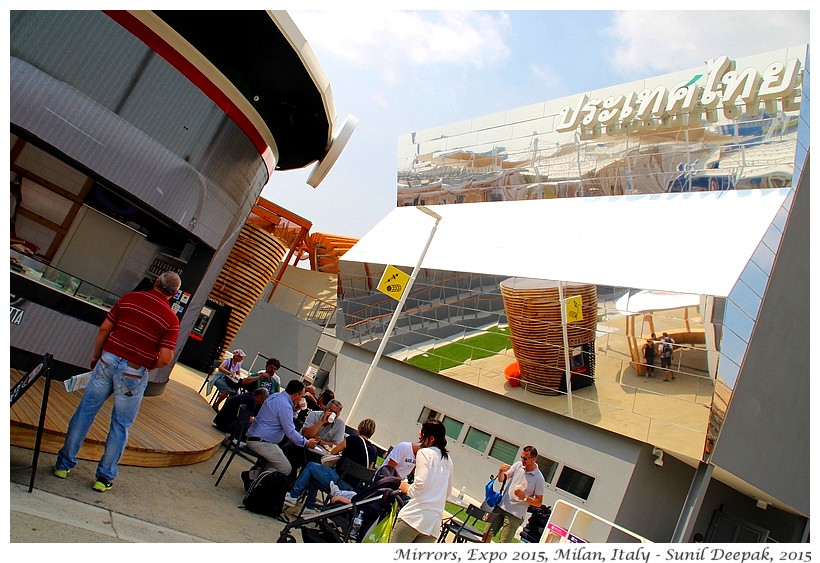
(266, 495)
(320, 532)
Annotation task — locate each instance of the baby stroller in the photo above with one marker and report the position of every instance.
(333, 523)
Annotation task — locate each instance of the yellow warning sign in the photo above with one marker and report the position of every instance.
(393, 282)
(575, 309)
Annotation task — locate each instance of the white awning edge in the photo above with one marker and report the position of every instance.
(696, 243)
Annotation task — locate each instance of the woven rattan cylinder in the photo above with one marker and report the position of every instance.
(533, 313)
(249, 268)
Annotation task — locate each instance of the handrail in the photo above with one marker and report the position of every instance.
(297, 290)
(423, 308)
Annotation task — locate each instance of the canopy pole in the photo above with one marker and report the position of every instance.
(568, 372)
(396, 313)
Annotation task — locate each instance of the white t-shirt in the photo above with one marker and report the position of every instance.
(428, 493)
(402, 454)
(516, 475)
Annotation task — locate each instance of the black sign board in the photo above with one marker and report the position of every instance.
(19, 389)
(28, 380)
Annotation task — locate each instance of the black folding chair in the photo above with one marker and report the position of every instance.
(235, 444)
(466, 530)
(214, 365)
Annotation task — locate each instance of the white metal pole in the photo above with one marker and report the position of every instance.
(395, 317)
(568, 373)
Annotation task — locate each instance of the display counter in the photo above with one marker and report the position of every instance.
(53, 311)
(57, 280)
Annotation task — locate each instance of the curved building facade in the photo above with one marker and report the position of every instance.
(140, 142)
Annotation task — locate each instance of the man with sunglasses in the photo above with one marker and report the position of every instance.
(525, 488)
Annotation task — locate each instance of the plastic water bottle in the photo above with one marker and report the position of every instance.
(461, 493)
(357, 524)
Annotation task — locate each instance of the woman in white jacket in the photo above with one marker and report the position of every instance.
(420, 519)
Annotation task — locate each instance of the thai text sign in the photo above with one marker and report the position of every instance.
(689, 102)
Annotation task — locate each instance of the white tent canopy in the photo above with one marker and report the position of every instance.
(697, 243)
(649, 301)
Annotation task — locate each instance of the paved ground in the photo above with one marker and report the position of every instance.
(175, 504)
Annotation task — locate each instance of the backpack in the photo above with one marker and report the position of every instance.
(491, 497)
(266, 495)
(667, 348)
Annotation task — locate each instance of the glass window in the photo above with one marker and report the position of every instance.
(575, 483)
(426, 413)
(318, 356)
(547, 467)
(504, 451)
(477, 439)
(453, 427)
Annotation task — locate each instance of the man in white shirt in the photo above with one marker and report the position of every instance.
(403, 458)
(525, 488)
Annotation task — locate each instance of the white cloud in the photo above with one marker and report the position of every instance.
(671, 40)
(548, 76)
(373, 37)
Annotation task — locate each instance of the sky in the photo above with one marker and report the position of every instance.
(405, 71)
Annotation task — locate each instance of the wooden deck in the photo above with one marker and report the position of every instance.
(171, 429)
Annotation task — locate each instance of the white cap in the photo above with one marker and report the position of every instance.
(239, 351)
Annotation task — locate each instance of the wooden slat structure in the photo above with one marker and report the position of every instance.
(533, 312)
(249, 268)
(171, 429)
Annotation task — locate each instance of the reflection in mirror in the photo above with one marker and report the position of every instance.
(755, 278)
(764, 258)
(738, 321)
(732, 346)
(746, 299)
(772, 236)
(456, 324)
(779, 221)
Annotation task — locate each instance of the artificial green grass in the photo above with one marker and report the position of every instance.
(454, 354)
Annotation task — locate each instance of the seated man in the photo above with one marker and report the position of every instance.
(321, 402)
(357, 449)
(226, 419)
(326, 427)
(403, 458)
(267, 379)
(272, 425)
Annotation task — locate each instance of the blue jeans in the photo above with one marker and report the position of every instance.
(320, 476)
(111, 375)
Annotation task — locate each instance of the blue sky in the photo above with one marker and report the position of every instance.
(405, 71)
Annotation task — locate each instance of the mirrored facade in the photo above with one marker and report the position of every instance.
(731, 125)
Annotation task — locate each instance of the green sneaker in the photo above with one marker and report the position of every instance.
(102, 484)
(61, 473)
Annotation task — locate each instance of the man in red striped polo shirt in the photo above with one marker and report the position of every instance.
(138, 334)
